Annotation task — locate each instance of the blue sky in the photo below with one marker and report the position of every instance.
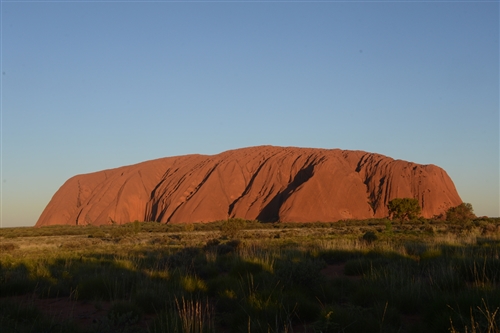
(88, 86)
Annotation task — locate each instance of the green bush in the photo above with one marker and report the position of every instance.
(149, 301)
(404, 208)
(304, 272)
(231, 228)
(369, 237)
(462, 213)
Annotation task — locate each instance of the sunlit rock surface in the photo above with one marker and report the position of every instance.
(266, 183)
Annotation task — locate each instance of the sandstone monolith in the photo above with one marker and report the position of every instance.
(265, 183)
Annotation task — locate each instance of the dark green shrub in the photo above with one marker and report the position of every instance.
(17, 287)
(305, 307)
(299, 273)
(16, 281)
(367, 294)
(462, 213)
(363, 266)
(97, 287)
(338, 256)
(242, 268)
(231, 228)
(211, 244)
(183, 258)
(97, 234)
(369, 237)
(223, 285)
(149, 301)
(404, 208)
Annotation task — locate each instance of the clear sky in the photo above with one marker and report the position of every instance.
(92, 85)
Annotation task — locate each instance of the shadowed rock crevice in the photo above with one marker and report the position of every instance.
(196, 189)
(248, 187)
(270, 213)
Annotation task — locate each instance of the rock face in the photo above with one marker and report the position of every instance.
(265, 183)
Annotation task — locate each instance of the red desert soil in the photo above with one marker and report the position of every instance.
(266, 183)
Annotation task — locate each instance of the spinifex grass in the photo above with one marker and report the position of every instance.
(275, 278)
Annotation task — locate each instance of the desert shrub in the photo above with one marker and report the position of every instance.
(149, 301)
(7, 247)
(430, 254)
(97, 234)
(231, 228)
(369, 237)
(337, 290)
(16, 281)
(189, 227)
(160, 240)
(404, 208)
(305, 309)
(303, 272)
(193, 284)
(262, 311)
(118, 232)
(366, 265)
(234, 243)
(183, 258)
(225, 248)
(94, 287)
(211, 244)
(17, 287)
(407, 301)
(242, 268)
(75, 244)
(338, 256)
(367, 294)
(388, 227)
(415, 249)
(462, 213)
(227, 291)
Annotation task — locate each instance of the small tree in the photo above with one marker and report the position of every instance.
(461, 213)
(404, 208)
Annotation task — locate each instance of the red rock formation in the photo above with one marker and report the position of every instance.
(264, 183)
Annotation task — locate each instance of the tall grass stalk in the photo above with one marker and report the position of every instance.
(195, 316)
(260, 255)
(490, 324)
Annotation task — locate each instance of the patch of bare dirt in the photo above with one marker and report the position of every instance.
(337, 271)
(84, 314)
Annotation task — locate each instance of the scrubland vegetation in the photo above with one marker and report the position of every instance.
(244, 276)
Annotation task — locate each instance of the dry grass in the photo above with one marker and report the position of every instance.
(194, 278)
